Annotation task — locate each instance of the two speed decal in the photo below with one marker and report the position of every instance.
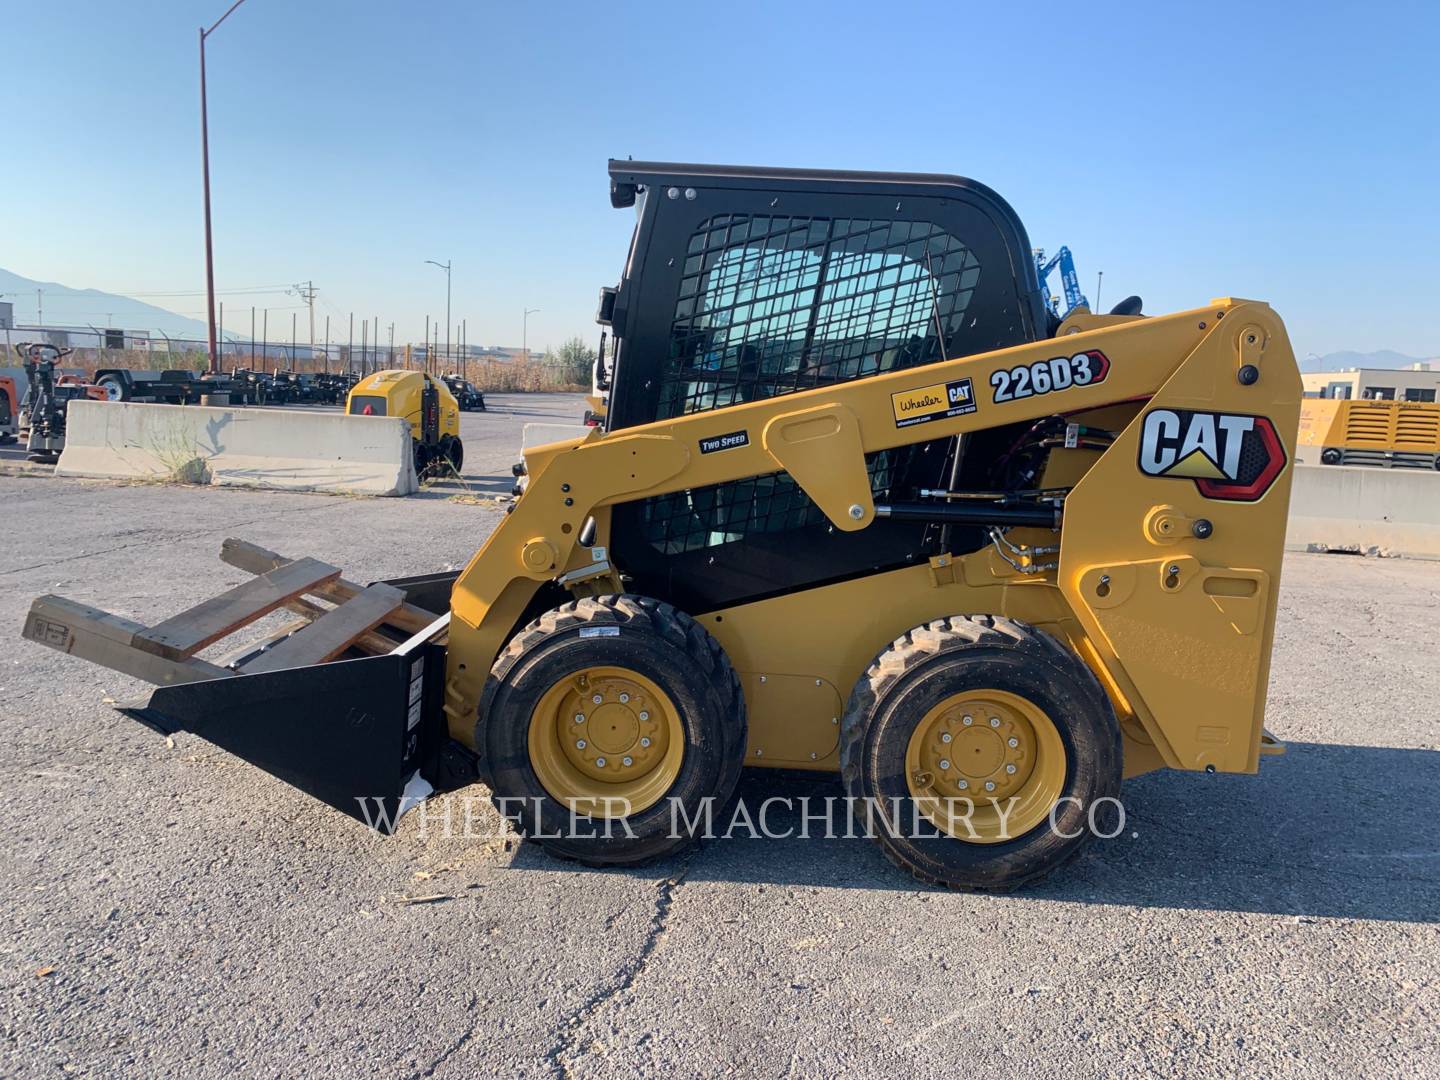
(1050, 376)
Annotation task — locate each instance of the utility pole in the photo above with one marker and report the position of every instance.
(205, 172)
(446, 267)
(264, 337)
(307, 291)
(350, 352)
(464, 351)
(252, 335)
(292, 341)
(392, 344)
(376, 339)
(327, 344)
(525, 332)
(1098, 279)
(364, 334)
(39, 307)
(427, 342)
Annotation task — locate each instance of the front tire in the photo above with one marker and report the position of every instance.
(625, 778)
(979, 751)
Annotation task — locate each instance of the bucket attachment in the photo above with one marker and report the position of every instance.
(345, 703)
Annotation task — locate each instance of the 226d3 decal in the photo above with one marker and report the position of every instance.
(1048, 376)
(1228, 455)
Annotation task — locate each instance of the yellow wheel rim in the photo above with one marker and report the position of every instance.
(606, 742)
(985, 766)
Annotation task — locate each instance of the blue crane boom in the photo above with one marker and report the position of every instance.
(1069, 280)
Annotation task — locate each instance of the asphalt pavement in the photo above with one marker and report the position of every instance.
(171, 911)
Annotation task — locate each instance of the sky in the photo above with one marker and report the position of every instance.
(1275, 151)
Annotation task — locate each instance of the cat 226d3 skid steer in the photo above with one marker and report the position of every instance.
(860, 504)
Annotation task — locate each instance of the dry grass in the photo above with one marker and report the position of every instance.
(533, 375)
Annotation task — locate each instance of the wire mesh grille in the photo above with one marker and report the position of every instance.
(771, 305)
(723, 513)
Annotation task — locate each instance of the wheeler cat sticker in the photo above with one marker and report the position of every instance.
(1048, 376)
(1228, 455)
(935, 402)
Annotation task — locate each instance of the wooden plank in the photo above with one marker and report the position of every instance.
(234, 656)
(332, 633)
(257, 560)
(106, 639)
(369, 641)
(187, 633)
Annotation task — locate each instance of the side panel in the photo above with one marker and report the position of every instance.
(1183, 615)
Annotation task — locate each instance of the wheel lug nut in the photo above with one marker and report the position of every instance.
(1010, 769)
(944, 764)
(600, 762)
(645, 741)
(963, 785)
(1012, 742)
(946, 737)
(597, 699)
(579, 744)
(627, 760)
(967, 720)
(624, 698)
(644, 715)
(989, 784)
(579, 717)
(994, 721)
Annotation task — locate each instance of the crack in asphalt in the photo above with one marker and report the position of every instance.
(455, 1046)
(628, 974)
(174, 536)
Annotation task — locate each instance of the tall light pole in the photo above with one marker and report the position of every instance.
(525, 332)
(446, 267)
(205, 170)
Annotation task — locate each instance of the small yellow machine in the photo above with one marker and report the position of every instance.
(1388, 434)
(860, 504)
(428, 405)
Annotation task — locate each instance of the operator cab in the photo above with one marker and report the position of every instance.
(743, 284)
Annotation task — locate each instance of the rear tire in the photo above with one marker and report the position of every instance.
(1025, 715)
(455, 453)
(116, 389)
(667, 660)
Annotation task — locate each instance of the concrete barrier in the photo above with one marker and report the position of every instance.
(229, 447)
(1370, 510)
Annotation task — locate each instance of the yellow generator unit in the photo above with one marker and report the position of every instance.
(1389, 434)
(860, 504)
(428, 405)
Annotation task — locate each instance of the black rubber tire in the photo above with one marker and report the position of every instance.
(946, 656)
(424, 461)
(455, 453)
(116, 388)
(659, 642)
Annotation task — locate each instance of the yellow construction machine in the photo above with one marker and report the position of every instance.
(1386, 434)
(428, 405)
(860, 504)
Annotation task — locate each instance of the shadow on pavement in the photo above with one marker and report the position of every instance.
(1326, 831)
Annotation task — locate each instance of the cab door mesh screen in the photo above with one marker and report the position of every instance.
(771, 305)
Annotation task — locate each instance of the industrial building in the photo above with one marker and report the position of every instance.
(1419, 382)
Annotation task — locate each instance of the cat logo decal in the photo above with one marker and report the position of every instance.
(1228, 455)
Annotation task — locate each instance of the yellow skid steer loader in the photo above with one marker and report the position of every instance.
(860, 504)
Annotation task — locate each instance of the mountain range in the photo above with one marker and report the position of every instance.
(65, 306)
(1381, 358)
